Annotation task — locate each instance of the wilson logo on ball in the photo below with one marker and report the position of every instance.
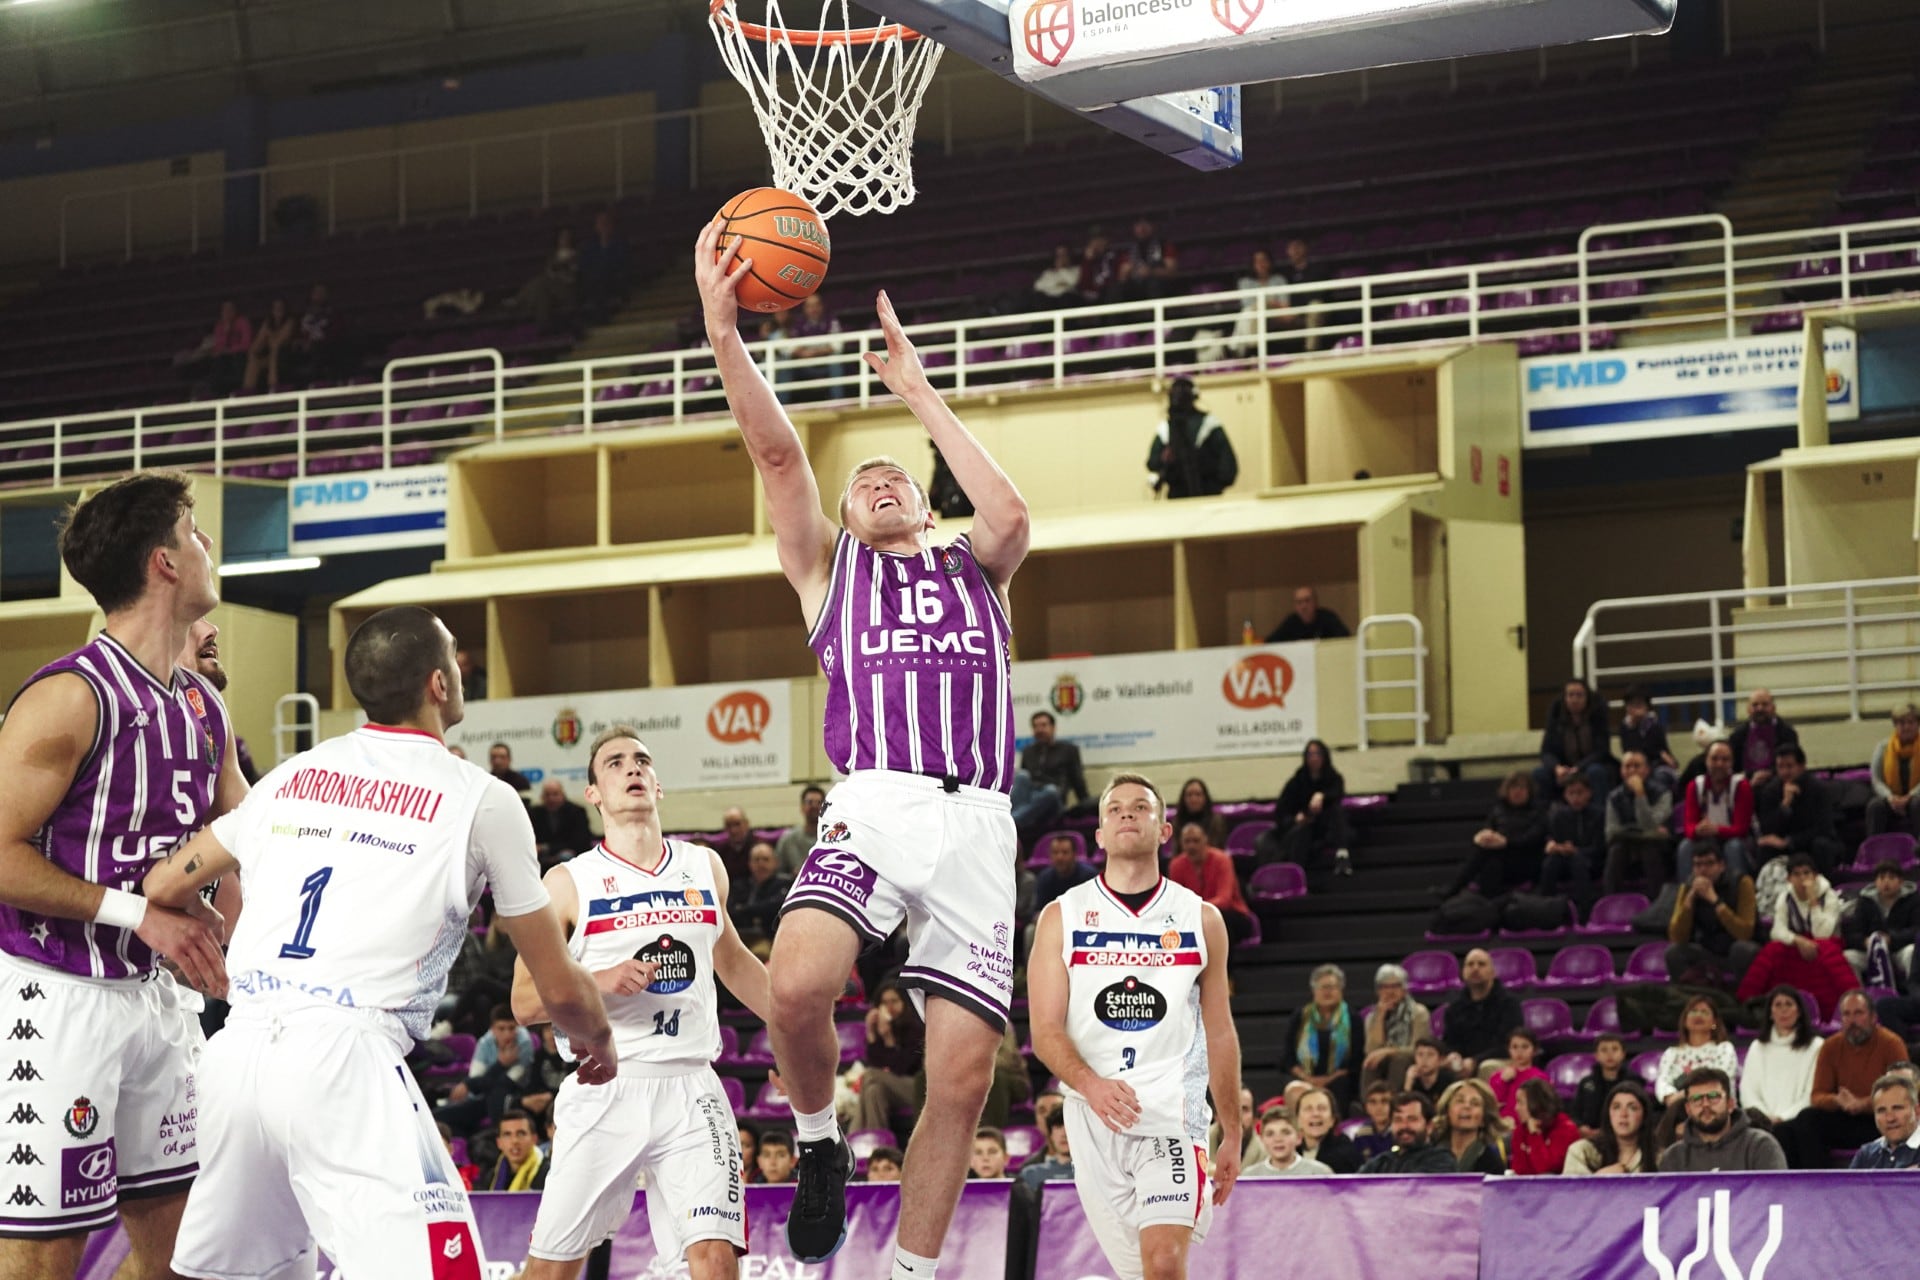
(1048, 31)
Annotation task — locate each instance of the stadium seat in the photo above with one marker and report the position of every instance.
(1614, 914)
(1438, 1023)
(459, 1051)
(729, 1043)
(1602, 1019)
(1515, 967)
(1647, 1067)
(1276, 882)
(736, 1093)
(1022, 1141)
(1038, 858)
(771, 1104)
(759, 1050)
(1572, 920)
(864, 1141)
(1567, 1070)
(1430, 972)
(1648, 963)
(1548, 1017)
(1579, 966)
(1243, 839)
(1897, 845)
(853, 1041)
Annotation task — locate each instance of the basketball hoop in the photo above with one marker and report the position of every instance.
(836, 103)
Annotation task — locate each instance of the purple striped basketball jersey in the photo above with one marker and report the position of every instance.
(915, 650)
(147, 783)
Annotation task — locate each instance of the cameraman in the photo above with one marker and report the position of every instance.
(1191, 456)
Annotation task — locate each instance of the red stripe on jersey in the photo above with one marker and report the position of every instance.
(1200, 1164)
(453, 1253)
(1133, 959)
(652, 919)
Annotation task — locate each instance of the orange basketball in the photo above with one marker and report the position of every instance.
(787, 241)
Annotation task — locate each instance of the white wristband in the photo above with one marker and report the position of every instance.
(121, 909)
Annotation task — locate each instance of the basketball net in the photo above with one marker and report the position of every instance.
(836, 103)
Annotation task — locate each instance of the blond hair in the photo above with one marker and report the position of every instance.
(874, 464)
(602, 738)
(1492, 1126)
(1136, 780)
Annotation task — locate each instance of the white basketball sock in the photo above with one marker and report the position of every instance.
(812, 1126)
(911, 1266)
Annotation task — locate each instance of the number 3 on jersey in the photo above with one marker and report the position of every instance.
(310, 891)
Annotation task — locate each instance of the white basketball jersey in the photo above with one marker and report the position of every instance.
(1133, 999)
(670, 914)
(358, 872)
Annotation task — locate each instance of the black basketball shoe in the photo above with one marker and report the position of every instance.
(817, 1227)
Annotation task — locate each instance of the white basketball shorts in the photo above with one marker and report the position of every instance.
(896, 846)
(677, 1130)
(315, 1131)
(1127, 1183)
(96, 1093)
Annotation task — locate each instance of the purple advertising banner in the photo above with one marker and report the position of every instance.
(1743, 1226)
(1344, 1228)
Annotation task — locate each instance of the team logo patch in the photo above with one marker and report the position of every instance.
(198, 703)
(693, 897)
(675, 959)
(566, 727)
(834, 834)
(612, 885)
(1067, 695)
(1048, 30)
(950, 562)
(1093, 919)
(1129, 1005)
(1169, 940)
(82, 1118)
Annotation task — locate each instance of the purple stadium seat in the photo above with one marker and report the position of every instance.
(1277, 882)
(1438, 1025)
(1022, 1141)
(1647, 1067)
(729, 1043)
(1614, 914)
(853, 1041)
(1038, 858)
(864, 1141)
(770, 1105)
(1514, 966)
(1580, 966)
(1648, 963)
(736, 1093)
(1431, 973)
(759, 1050)
(1567, 1070)
(1354, 1128)
(1242, 840)
(459, 1055)
(1897, 845)
(1548, 1018)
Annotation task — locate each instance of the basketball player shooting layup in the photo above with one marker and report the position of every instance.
(913, 639)
(648, 918)
(1128, 983)
(107, 757)
(361, 862)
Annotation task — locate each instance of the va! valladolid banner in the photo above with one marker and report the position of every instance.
(1189, 704)
(703, 735)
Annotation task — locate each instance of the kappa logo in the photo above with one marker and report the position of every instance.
(23, 1113)
(82, 1117)
(23, 1196)
(24, 1030)
(1713, 1231)
(32, 991)
(25, 1071)
(1047, 29)
(1237, 15)
(834, 835)
(24, 1154)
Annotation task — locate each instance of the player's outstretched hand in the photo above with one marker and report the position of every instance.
(1226, 1171)
(598, 1062)
(718, 273)
(191, 944)
(900, 368)
(628, 978)
(1113, 1101)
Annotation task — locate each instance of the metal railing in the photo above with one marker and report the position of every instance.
(1366, 684)
(296, 725)
(1849, 648)
(1715, 283)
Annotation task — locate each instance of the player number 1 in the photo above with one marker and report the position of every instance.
(310, 891)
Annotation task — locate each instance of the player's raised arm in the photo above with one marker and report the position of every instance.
(1223, 1053)
(802, 533)
(1001, 528)
(742, 971)
(1112, 1100)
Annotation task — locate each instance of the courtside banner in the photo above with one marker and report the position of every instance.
(1424, 1228)
(701, 735)
(1188, 704)
(976, 1247)
(368, 511)
(1642, 393)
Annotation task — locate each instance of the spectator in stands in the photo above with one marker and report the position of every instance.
(1467, 1126)
(1053, 761)
(1624, 1142)
(1190, 455)
(1895, 776)
(1065, 868)
(270, 337)
(1429, 1075)
(469, 1172)
(521, 1167)
(552, 297)
(1507, 849)
(501, 1069)
(1412, 1118)
(1543, 1133)
(1310, 817)
(1895, 1099)
(1246, 327)
(734, 843)
(560, 830)
(315, 346)
(884, 1164)
(1757, 740)
(1012, 1080)
(1300, 269)
(1376, 1135)
(1315, 1117)
(895, 1057)
(1703, 1043)
(1150, 264)
(1208, 871)
(811, 321)
(1479, 1018)
(1719, 811)
(1805, 949)
(500, 765)
(1394, 1026)
(1576, 740)
(1308, 621)
(754, 900)
(606, 269)
(1251, 1131)
(1719, 1136)
(1639, 834)
(221, 357)
(1575, 851)
(1052, 1161)
(1641, 730)
(1713, 922)
(1523, 1050)
(749, 1149)
(1280, 1155)
(1099, 268)
(473, 677)
(1849, 1063)
(1793, 814)
(1880, 928)
(797, 841)
(1589, 1106)
(989, 1159)
(775, 1157)
(1196, 805)
(1324, 1039)
(1777, 1078)
(1059, 285)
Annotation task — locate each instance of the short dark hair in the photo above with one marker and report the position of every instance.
(1705, 1075)
(1542, 1101)
(1614, 1036)
(1428, 1042)
(1793, 750)
(1577, 779)
(1888, 867)
(992, 1135)
(1046, 715)
(501, 746)
(107, 540)
(390, 658)
(814, 788)
(1056, 1119)
(776, 1138)
(515, 1113)
(1708, 849)
(1524, 1033)
(1408, 1098)
(501, 1013)
(893, 1154)
(1637, 693)
(1801, 860)
(1378, 1087)
(605, 736)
